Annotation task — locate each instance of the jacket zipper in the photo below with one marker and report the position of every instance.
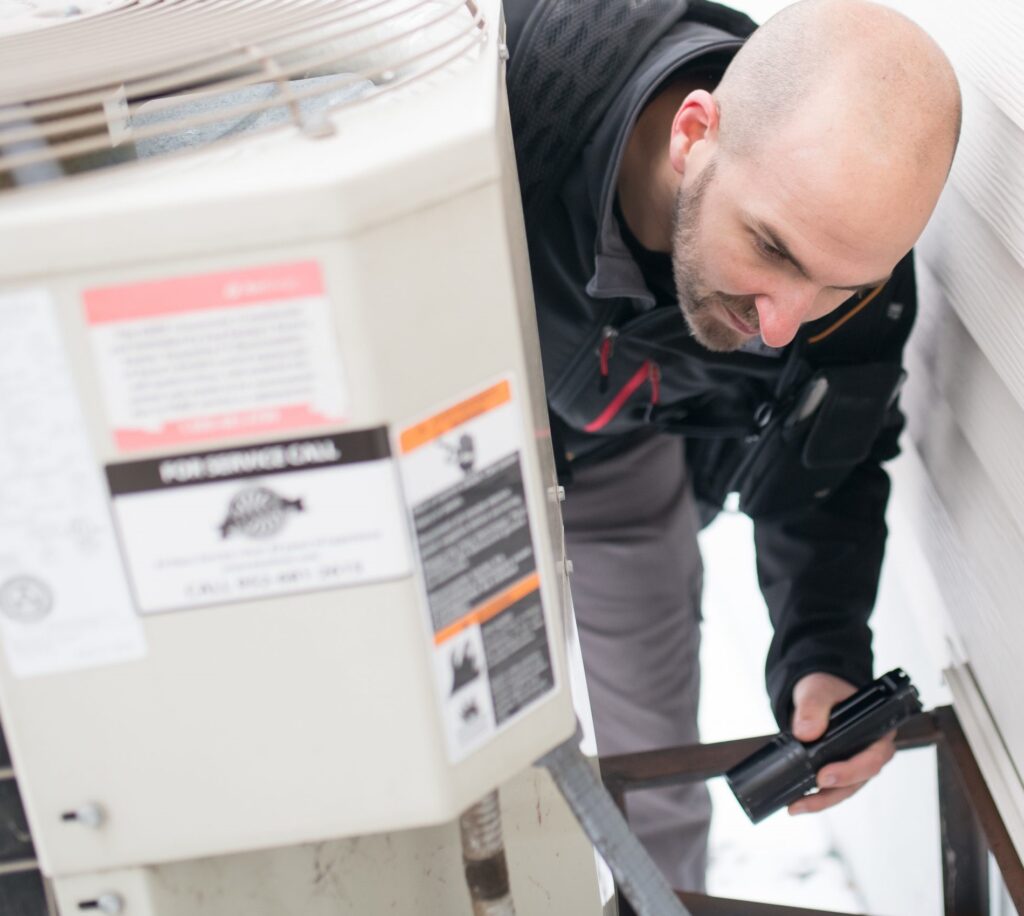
(570, 384)
(649, 371)
(604, 355)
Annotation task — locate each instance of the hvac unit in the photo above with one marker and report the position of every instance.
(280, 550)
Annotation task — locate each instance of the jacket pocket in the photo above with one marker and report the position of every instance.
(830, 428)
(851, 414)
(610, 384)
(648, 370)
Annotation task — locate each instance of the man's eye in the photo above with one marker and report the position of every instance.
(768, 250)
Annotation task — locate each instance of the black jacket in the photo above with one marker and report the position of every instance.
(799, 433)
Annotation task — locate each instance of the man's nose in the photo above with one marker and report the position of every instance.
(780, 314)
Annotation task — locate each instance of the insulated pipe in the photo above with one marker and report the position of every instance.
(483, 854)
(635, 872)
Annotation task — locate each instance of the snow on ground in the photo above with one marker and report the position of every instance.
(783, 860)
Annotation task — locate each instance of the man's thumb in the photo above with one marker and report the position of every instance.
(810, 718)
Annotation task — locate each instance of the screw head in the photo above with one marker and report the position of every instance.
(90, 814)
(110, 902)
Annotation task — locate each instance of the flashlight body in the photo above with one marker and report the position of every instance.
(786, 769)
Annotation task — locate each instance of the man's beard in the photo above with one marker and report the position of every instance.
(701, 307)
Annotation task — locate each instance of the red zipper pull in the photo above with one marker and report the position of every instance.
(604, 355)
(654, 378)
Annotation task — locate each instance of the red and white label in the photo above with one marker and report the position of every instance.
(216, 356)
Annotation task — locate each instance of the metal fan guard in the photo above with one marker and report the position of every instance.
(158, 76)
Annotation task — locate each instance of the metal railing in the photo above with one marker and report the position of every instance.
(970, 823)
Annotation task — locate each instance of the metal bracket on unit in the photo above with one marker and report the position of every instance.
(315, 128)
(557, 492)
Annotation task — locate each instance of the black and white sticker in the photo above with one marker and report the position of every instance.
(463, 475)
(257, 521)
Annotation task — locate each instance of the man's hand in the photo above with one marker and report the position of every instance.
(813, 698)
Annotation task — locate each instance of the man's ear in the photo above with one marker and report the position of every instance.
(695, 121)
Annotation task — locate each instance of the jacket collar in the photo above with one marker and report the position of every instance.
(616, 273)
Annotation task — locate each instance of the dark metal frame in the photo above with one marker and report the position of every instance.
(971, 826)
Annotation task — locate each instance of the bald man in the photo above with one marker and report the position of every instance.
(724, 287)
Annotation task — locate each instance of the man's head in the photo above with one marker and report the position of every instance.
(810, 171)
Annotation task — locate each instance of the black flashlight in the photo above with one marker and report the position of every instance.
(786, 769)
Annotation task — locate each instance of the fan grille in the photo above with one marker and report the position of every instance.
(156, 76)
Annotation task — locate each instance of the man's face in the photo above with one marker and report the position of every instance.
(760, 248)
(719, 321)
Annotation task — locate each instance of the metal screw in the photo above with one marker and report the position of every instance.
(108, 902)
(111, 903)
(88, 815)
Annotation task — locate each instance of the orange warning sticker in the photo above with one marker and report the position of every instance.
(433, 427)
(491, 608)
(463, 474)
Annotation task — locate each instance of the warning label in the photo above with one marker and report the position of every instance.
(463, 476)
(213, 356)
(517, 656)
(64, 601)
(474, 541)
(252, 522)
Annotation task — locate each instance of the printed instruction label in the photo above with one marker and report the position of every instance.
(64, 601)
(257, 521)
(463, 477)
(218, 355)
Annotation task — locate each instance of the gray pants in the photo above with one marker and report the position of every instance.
(631, 532)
